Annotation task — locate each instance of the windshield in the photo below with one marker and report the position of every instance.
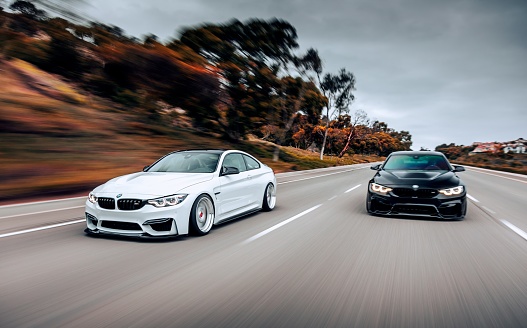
(416, 162)
(187, 162)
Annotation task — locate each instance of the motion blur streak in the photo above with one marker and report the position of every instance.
(334, 267)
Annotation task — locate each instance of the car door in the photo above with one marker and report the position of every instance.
(257, 183)
(233, 196)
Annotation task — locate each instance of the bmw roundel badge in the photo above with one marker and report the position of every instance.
(415, 187)
(120, 195)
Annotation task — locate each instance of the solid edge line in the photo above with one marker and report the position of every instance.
(265, 232)
(498, 171)
(42, 202)
(514, 228)
(41, 228)
(41, 212)
(472, 198)
(357, 186)
(499, 176)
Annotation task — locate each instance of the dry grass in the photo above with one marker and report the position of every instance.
(50, 146)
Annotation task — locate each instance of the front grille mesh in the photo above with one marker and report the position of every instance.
(414, 209)
(130, 204)
(411, 193)
(106, 203)
(117, 225)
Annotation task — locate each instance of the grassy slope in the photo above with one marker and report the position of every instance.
(58, 140)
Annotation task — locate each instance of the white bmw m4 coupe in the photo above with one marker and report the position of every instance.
(183, 192)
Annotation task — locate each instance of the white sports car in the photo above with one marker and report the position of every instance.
(183, 192)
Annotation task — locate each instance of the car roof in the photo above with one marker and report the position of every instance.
(417, 152)
(213, 151)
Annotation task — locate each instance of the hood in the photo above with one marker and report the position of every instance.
(424, 179)
(153, 184)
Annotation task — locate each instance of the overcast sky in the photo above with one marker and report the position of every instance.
(447, 71)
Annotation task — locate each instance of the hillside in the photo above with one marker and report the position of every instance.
(57, 139)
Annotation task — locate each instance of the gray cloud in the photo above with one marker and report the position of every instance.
(447, 71)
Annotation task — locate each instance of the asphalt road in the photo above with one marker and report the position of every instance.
(317, 260)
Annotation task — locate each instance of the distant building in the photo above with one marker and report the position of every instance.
(486, 147)
(516, 146)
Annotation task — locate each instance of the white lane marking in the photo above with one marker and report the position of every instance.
(41, 228)
(265, 232)
(333, 197)
(499, 176)
(41, 212)
(329, 169)
(488, 210)
(351, 189)
(472, 198)
(514, 228)
(501, 172)
(42, 202)
(319, 176)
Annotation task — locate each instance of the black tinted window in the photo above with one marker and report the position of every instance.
(416, 162)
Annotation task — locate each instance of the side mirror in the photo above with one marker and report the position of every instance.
(376, 167)
(229, 170)
(459, 168)
(146, 168)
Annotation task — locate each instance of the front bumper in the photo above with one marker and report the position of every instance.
(146, 222)
(98, 232)
(437, 207)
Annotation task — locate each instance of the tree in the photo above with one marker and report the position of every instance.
(28, 9)
(359, 118)
(247, 56)
(338, 91)
(298, 96)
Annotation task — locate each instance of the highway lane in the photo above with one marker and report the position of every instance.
(333, 266)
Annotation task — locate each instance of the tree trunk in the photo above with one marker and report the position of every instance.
(346, 147)
(324, 143)
(276, 153)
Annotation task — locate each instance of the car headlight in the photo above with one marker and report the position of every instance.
(167, 200)
(92, 198)
(452, 191)
(377, 188)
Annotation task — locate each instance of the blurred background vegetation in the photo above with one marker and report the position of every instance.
(81, 102)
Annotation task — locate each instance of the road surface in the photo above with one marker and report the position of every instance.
(317, 260)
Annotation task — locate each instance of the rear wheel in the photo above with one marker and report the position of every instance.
(269, 200)
(201, 216)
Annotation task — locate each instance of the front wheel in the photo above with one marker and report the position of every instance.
(269, 200)
(201, 216)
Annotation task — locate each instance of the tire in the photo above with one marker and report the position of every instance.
(201, 216)
(269, 198)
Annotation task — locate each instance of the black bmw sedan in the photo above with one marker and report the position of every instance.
(417, 183)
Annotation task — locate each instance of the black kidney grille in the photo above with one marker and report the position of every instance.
(130, 204)
(419, 193)
(106, 203)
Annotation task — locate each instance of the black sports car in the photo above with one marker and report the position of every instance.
(417, 183)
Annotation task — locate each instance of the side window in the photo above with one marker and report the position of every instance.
(235, 160)
(251, 163)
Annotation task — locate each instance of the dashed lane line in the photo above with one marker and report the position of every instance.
(351, 189)
(514, 228)
(265, 232)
